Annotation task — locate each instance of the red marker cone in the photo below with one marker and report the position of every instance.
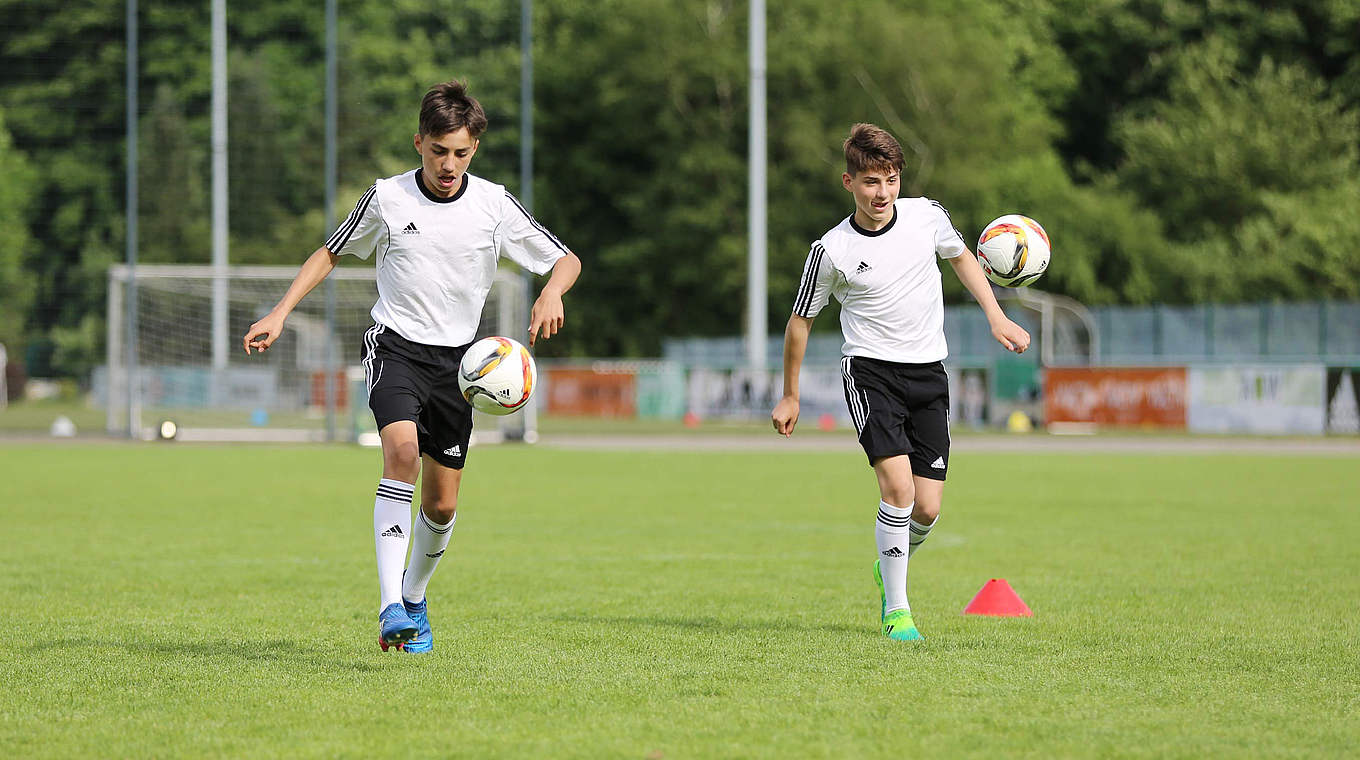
(997, 598)
(826, 422)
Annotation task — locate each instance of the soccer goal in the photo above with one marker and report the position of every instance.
(308, 387)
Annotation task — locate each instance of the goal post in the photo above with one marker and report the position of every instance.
(280, 395)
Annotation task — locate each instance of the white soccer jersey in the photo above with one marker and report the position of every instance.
(437, 256)
(892, 305)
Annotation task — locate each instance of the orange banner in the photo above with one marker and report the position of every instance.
(341, 389)
(587, 392)
(1141, 396)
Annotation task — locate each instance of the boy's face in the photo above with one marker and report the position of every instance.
(445, 159)
(875, 190)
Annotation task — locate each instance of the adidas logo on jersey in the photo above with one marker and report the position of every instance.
(410, 229)
(453, 451)
(938, 463)
(394, 532)
(893, 552)
(862, 268)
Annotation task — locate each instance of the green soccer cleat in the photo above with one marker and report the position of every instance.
(882, 598)
(898, 626)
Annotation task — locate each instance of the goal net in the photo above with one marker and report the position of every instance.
(309, 386)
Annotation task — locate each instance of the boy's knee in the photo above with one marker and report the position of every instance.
(900, 495)
(925, 512)
(441, 510)
(403, 458)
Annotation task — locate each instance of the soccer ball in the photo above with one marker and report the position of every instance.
(497, 375)
(1013, 250)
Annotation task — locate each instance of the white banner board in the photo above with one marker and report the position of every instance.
(1280, 399)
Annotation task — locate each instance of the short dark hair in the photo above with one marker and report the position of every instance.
(448, 108)
(871, 147)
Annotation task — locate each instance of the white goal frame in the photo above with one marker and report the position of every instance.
(285, 395)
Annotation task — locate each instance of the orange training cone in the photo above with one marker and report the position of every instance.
(997, 598)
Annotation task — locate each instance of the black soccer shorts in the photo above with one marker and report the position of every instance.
(413, 381)
(900, 409)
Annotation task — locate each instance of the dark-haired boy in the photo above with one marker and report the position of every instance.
(880, 264)
(438, 232)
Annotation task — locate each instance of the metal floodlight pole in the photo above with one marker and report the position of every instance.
(526, 156)
(526, 105)
(331, 172)
(756, 296)
(130, 294)
(219, 183)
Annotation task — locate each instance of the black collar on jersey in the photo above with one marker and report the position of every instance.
(420, 183)
(869, 233)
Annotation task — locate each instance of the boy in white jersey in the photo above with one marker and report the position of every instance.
(880, 264)
(438, 232)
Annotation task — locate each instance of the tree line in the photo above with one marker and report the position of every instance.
(1177, 151)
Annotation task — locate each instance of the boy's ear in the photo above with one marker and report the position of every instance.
(846, 179)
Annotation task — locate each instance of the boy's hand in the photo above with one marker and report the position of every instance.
(1011, 335)
(547, 316)
(263, 333)
(785, 416)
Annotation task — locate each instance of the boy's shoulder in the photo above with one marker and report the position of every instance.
(835, 239)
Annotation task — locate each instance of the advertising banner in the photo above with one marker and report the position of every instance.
(1124, 396)
(736, 394)
(1258, 399)
(579, 391)
(1343, 400)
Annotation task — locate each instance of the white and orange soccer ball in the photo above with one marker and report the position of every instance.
(1013, 250)
(497, 376)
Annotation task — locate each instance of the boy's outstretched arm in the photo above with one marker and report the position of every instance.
(785, 414)
(1007, 333)
(549, 314)
(263, 333)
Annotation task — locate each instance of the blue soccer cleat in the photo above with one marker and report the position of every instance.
(397, 627)
(423, 641)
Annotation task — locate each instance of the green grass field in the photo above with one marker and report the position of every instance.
(195, 601)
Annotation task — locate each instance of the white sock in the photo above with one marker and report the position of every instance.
(429, 539)
(391, 534)
(919, 532)
(891, 535)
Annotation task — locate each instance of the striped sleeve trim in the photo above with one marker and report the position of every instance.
(342, 235)
(808, 287)
(949, 219)
(535, 223)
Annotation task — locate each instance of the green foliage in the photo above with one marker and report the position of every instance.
(1154, 139)
(16, 178)
(1249, 172)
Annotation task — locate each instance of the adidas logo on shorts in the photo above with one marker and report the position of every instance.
(453, 451)
(938, 463)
